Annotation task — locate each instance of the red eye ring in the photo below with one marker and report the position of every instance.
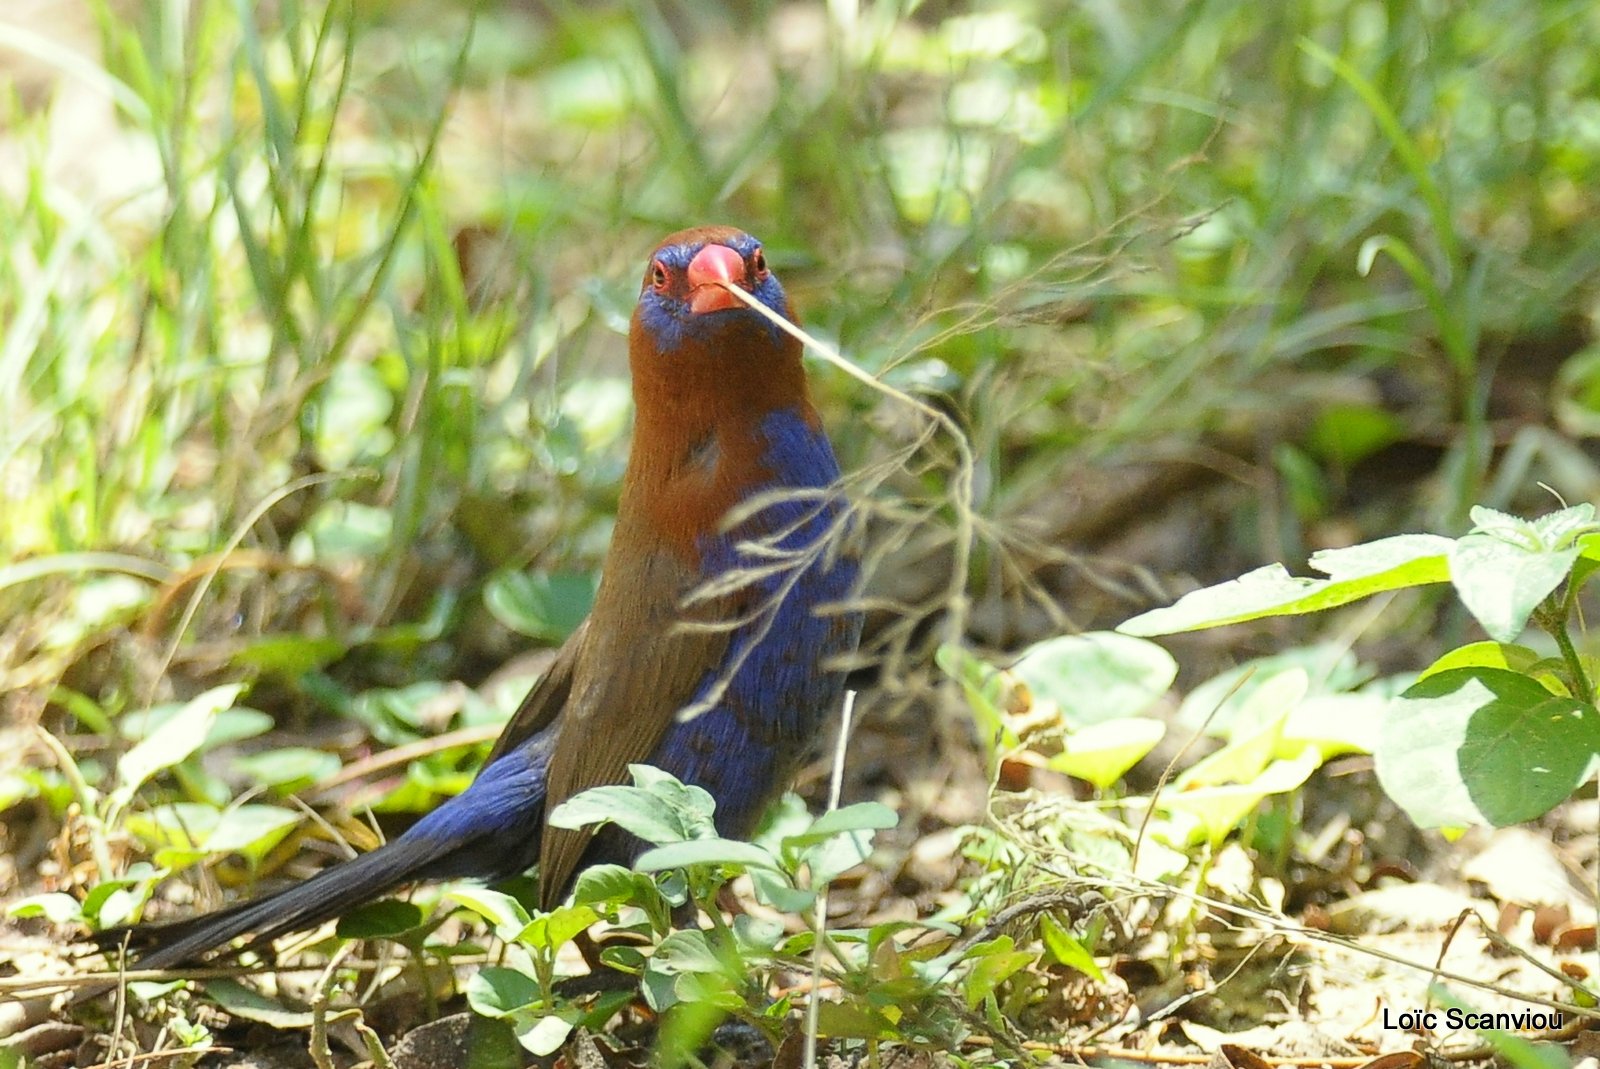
(658, 277)
(758, 264)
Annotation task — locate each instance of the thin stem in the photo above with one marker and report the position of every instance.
(1555, 623)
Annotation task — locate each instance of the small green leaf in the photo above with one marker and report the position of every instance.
(1097, 676)
(387, 918)
(861, 816)
(172, 742)
(542, 1034)
(57, 907)
(288, 767)
(248, 1004)
(541, 605)
(1507, 656)
(658, 809)
(497, 991)
(988, 694)
(251, 830)
(729, 852)
(1220, 809)
(1067, 950)
(993, 964)
(1101, 753)
(504, 912)
(1501, 582)
(553, 930)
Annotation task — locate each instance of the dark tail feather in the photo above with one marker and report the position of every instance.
(304, 905)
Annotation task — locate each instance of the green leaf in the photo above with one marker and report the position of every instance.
(614, 885)
(1564, 528)
(1335, 724)
(1218, 704)
(387, 918)
(1067, 950)
(172, 742)
(542, 1034)
(729, 852)
(1220, 808)
(541, 605)
(553, 930)
(860, 816)
(1501, 582)
(687, 951)
(1101, 753)
(852, 1020)
(1097, 676)
(288, 768)
(506, 914)
(993, 963)
(658, 809)
(1354, 573)
(1484, 746)
(1511, 658)
(1347, 434)
(251, 830)
(248, 1004)
(497, 991)
(57, 907)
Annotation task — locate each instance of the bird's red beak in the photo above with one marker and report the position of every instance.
(712, 271)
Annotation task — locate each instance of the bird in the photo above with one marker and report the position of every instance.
(714, 647)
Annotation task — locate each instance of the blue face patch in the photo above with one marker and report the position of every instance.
(667, 318)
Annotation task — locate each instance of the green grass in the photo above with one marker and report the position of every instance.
(316, 351)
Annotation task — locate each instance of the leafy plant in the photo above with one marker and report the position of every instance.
(1493, 732)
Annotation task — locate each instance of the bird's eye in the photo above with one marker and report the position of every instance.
(758, 264)
(658, 276)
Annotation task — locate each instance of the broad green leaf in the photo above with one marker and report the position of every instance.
(506, 914)
(180, 825)
(542, 1034)
(248, 1004)
(386, 918)
(1335, 724)
(1507, 656)
(1353, 573)
(829, 859)
(541, 605)
(288, 766)
(1219, 809)
(496, 991)
(687, 951)
(251, 830)
(860, 816)
(1216, 704)
(613, 885)
(707, 852)
(1098, 676)
(1102, 753)
(774, 889)
(1502, 582)
(172, 742)
(1484, 746)
(658, 810)
(852, 1020)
